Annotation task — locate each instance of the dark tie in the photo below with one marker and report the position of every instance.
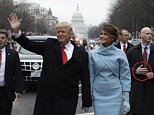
(64, 56)
(145, 54)
(0, 56)
(124, 48)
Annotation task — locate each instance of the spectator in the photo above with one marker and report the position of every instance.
(123, 43)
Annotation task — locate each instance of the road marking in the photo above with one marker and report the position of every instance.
(80, 95)
(86, 113)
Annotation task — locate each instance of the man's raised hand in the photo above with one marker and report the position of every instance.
(14, 22)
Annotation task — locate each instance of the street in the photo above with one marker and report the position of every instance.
(25, 105)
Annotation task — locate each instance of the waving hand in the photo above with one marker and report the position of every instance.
(14, 22)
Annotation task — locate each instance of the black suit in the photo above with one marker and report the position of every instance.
(142, 93)
(58, 85)
(129, 45)
(81, 47)
(13, 82)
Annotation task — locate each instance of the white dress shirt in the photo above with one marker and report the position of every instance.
(122, 45)
(2, 67)
(69, 50)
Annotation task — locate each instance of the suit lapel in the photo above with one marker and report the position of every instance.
(75, 55)
(7, 61)
(118, 45)
(57, 48)
(129, 46)
(151, 49)
(75, 52)
(139, 52)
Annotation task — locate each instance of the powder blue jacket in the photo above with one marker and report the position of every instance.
(110, 76)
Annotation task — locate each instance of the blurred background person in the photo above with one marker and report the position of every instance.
(85, 44)
(97, 44)
(79, 43)
(14, 45)
(123, 37)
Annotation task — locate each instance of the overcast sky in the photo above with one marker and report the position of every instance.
(93, 11)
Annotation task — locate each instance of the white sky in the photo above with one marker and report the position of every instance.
(93, 11)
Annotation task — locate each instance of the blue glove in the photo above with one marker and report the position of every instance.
(126, 104)
(85, 109)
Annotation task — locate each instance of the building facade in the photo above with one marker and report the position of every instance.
(77, 22)
(40, 15)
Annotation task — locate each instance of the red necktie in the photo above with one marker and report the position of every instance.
(64, 56)
(124, 48)
(145, 54)
(0, 56)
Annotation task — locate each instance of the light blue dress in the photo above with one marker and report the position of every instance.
(110, 76)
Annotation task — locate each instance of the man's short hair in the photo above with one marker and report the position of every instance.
(65, 24)
(4, 31)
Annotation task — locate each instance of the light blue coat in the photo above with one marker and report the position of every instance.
(110, 76)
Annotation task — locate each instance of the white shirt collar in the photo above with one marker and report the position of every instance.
(69, 50)
(68, 46)
(122, 45)
(3, 50)
(148, 46)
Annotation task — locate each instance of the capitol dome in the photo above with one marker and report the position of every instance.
(78, 25)
(77, 17)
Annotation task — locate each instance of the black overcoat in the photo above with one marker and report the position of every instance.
(58, 85)
(142, 93)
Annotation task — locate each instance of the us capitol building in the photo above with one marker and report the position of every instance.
(79, 28)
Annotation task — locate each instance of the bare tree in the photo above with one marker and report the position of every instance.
(21, 10)
(132, 14)
(6, 7)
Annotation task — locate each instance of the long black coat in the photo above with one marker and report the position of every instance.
(13, 75)
(142, 93)
(58, 85)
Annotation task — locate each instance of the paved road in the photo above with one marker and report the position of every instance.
(25, 105)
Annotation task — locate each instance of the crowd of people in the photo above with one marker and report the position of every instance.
(116, 76)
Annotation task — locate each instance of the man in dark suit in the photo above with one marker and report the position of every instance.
(142, 92)
(64, 64)
(123, 43)
(10, 75)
